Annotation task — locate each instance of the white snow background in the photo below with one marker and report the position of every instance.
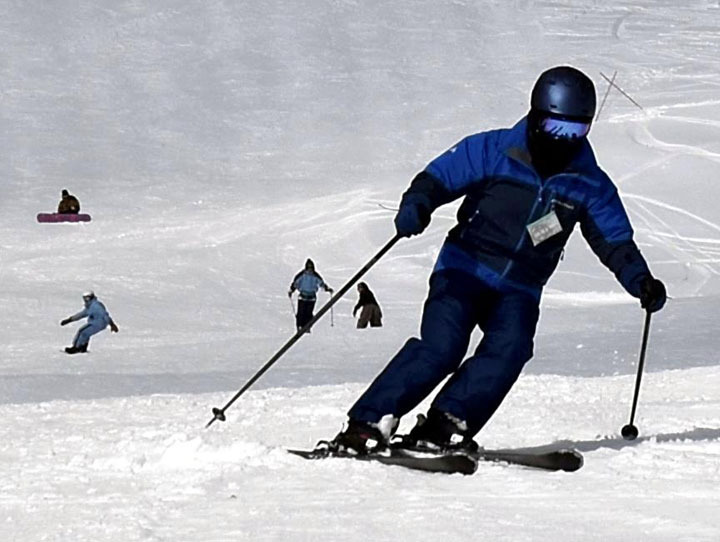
(217, 145)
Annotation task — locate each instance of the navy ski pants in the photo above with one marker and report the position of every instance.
(456, 303)
(304, 312)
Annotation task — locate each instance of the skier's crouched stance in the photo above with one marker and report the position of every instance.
(524, 188)
(98, 319)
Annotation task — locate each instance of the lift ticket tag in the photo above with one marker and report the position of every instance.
(544, 228)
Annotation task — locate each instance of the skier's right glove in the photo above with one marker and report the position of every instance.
(289, 293)
(411, 219)
(65, 322)
(652, 294)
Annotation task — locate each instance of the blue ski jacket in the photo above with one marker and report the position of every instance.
(308, 283)
(95, 312)
(503, 194)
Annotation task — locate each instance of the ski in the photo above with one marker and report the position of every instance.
(567, 460)
(440, 463)
(544, 457)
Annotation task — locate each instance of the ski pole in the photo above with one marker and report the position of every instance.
(292, 305)
(219, 413)
(629, 431)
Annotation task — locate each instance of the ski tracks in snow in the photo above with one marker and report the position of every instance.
(691, 240)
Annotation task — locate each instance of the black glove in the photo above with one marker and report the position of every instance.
(65, 322)
(290, 293)
(411, 219)
(652, 294)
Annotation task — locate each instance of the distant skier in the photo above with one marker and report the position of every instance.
(307, 282)
(524, 188)
(97, 320)
(69, 204)
(370, 312)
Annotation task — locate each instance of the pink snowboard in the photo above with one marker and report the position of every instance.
(60, 217)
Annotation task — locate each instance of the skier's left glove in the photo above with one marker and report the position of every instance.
(65, 322)
(113, 327)
(652, 294)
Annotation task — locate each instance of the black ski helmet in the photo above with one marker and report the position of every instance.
(564, 91)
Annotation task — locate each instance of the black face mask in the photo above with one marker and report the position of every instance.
(550, 153)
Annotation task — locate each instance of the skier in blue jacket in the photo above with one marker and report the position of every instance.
(524, 188)
(307, 282)
(98, 319)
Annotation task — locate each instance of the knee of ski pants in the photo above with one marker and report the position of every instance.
(444, 336)
(88, 331)
(517, 349)
(514, 344)
(435, 359)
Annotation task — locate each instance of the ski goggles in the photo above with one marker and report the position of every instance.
(564, 129)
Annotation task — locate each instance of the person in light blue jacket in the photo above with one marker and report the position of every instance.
(307, 282)
(98, 319)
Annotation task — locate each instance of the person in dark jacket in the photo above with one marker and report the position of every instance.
(69, 204)
(370, 312)
(307, 282)
(524, 188)
(98, 319)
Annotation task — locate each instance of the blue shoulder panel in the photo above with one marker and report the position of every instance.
(462, 164)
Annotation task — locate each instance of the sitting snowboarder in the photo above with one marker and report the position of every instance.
(307, 282)
(370, 312)
(97, 320)
(69, 204)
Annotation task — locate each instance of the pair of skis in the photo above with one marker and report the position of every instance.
(456, 462)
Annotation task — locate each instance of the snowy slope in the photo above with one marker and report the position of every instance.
(217, 146)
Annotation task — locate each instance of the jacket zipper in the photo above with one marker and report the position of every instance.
(538, 201)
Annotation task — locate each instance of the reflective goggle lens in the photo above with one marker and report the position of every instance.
(564, 129)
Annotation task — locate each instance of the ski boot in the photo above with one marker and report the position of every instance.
(438, 432)
(363, 438)
(71, 350)
(359, 438)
